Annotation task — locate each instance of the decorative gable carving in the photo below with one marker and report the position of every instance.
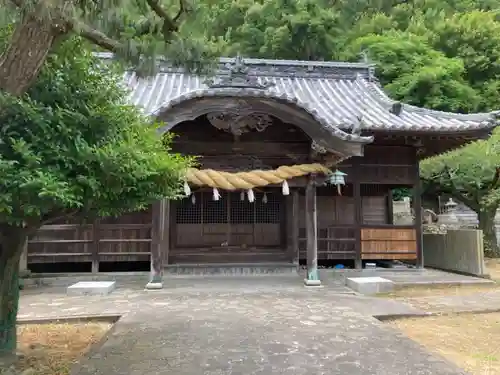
(238, 77)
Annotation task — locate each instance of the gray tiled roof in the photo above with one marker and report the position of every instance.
(338, 95)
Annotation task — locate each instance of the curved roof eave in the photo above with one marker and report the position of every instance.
(262, 94)
(428, 118)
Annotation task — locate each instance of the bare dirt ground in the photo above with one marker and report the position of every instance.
(471, 341)
(493, 266)
(51, 349)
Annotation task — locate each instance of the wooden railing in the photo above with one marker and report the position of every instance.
(334, 242)
(97, 242)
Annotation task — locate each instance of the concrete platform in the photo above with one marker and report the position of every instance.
(370, 285)
(404, 278)
(91, 288)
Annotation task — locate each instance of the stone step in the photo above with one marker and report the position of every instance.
(221, 258)
(229, 269)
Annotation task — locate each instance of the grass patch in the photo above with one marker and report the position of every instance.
(51, 349)
(472, 341)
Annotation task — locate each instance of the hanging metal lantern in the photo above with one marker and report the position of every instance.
(337, 178)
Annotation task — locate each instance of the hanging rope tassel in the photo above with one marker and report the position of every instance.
(251, 196)
(187, 189)
(242, 195)
(193, 199)
(216, 194)
(285, 189)
(264, 198)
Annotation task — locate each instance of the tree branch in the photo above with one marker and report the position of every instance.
(169, 23)
(54, 218)
(183, 8)
(457, 194)
(95, 36)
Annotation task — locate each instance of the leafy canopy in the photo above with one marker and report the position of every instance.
(441, 54)
(470, 174)
(71, 146)
(136, 31)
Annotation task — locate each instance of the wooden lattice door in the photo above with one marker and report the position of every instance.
(231, 221)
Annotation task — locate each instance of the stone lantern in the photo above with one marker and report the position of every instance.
(449, 217)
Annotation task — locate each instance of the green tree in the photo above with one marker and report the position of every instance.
(412, 71)
(136, 31)
(440, 54)
(471, 175)
(280, 29)
(72, 147)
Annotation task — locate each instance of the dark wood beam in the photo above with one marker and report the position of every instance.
(417, 208)
(358, 211)
(295, 225)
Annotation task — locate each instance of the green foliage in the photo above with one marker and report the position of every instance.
(399, 193)
(73, 147)
(441, 54)
(468, 173)
(275, 29)
(136, 31)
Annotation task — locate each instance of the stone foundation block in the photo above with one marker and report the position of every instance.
(91, 288)
(314, 283)
(370, 285)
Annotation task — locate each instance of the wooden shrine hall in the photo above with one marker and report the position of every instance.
(297, 162)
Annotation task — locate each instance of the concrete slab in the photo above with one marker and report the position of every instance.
(240, 325)
(408, 277)
(220, 334)
(91, 288)
(370, 285)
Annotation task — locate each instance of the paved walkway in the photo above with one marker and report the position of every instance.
(255, 325)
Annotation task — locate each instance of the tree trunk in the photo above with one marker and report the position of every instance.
(27, 51)
(487, 225)
(12, 247)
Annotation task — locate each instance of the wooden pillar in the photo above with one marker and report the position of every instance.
(295, 226)
(165, 248)
(312, 276)
(417, 208)
(155, 281)
(96, 234)
(390, 207)
(358, 212)
(23, 261)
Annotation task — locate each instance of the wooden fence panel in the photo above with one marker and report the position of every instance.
(388, 243)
